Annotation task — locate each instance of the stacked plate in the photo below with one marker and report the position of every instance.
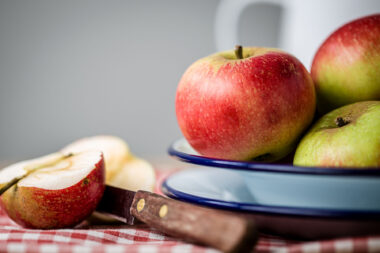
(291, 201)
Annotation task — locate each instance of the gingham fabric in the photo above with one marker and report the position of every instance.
(124, 238)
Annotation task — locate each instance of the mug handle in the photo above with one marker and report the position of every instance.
(227, 21)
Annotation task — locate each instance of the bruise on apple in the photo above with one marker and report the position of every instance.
(264, 157)
(57, 196)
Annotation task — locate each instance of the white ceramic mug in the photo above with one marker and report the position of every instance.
(305, 25)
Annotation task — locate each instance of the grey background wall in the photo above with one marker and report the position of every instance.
(70, 69)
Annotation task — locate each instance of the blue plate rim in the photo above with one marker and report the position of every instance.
(267, 167)
(266, 209)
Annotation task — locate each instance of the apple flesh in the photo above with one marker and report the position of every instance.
(346, 67)
(346, 137)
(123, 169)
(136, 174)
(115, 150)
(54, 191)
(249, 104)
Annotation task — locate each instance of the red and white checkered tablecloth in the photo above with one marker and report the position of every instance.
(124, 238)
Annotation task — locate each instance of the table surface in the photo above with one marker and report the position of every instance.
(88, 237)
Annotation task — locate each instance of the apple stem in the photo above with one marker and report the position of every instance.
(239, 51)
(29, 171)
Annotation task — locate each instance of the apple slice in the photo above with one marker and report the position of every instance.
(122, 168)
(115, 151)
(55, 191)
(136, 174)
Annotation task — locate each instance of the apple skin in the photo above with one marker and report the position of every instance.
(242, 109)
(34, 207)
(356, 144)
(346, 67)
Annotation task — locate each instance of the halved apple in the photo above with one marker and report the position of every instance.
(55, 191)
(136, 174)
(115, 151)
(122, 168)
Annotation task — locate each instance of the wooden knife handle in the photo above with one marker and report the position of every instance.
(221, 230)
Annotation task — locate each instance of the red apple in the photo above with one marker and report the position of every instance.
(53, 191)
(346, 68)
(253, 103)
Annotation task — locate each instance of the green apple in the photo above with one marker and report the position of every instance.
(346, 68)
(346, 137)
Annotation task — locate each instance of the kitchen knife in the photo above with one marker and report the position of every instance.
(218, 229)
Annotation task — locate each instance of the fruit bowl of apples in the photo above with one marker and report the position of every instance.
(299, 143)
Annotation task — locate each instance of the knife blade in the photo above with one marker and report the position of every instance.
(206, 226)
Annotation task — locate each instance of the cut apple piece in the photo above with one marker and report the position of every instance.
(55, 191)
(115, 151)
(136, 174)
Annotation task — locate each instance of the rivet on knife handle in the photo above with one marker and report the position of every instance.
(140, 205)
(218, 229)
(163, 211)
